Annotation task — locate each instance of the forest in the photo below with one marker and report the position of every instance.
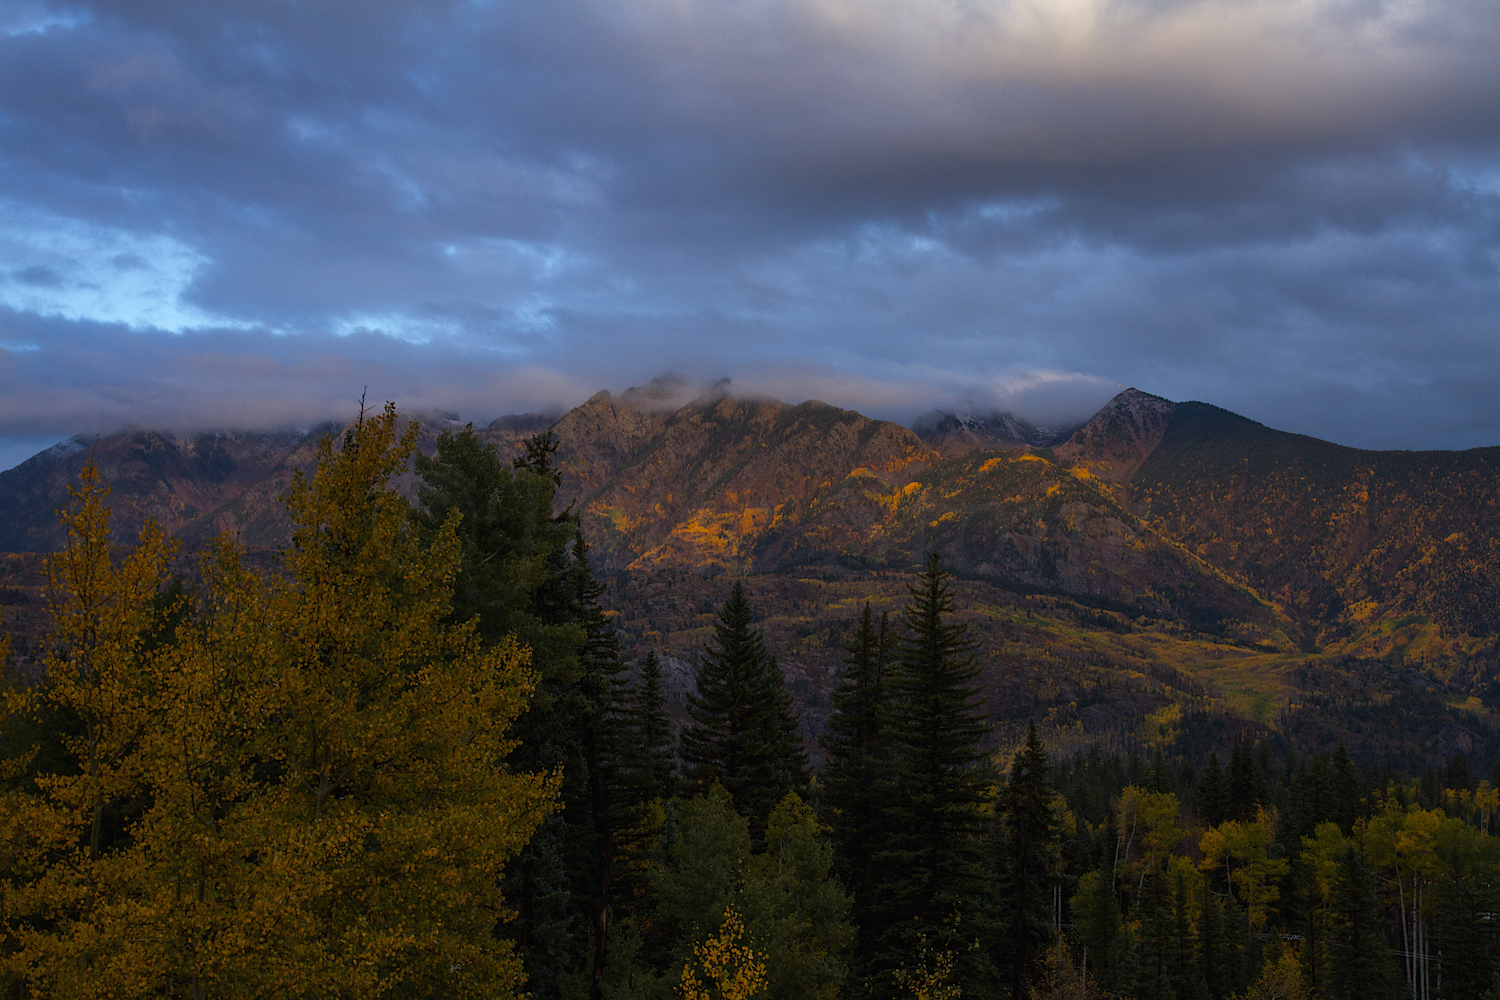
(410, 760)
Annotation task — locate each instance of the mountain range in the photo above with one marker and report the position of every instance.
(1165, 568)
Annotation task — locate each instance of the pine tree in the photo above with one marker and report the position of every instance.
(654, 743)
(1151, 954)
(1247, 783)
(744, 731)
(1026, 867)
(1348, 793)
(1211, 793)
(933, 887)
(1098, 927)
(1360, 966)
(857, 749)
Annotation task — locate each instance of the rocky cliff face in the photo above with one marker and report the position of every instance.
(1122, 435)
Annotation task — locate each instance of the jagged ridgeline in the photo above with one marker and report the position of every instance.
(1167, 572)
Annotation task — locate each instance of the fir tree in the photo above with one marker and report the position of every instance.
(1348, 794)
(934, 889)
(1098, 927)
(1026, 866)
(857, 750)
(1211, 793)
(655, 744)
(743, 732)
(1359, 960)
(1151, 953)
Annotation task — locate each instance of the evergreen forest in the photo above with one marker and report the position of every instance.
(409, 759)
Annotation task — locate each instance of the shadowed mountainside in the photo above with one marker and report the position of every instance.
(1166, 558)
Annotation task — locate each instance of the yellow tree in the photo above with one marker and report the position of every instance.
(1242, 850)
(724, 968)
(318, 762)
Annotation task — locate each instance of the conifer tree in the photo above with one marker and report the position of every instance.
(1360, 963)
(857, 751)
(1150, 962)
(1027, 865)
(934, 887)
(743, 732)
(1098, 927)
(1347, 793)
(654, 743)
(319, 756)
(1211, 793)
(525, 572)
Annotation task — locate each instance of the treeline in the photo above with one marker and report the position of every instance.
(413, 762)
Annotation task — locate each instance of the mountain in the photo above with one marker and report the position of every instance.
(1168, 568)
(999, 430)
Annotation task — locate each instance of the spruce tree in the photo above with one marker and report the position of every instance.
(1026, 868)
(1212, 793)
(1360, 966)
(655, 746)
(1150, 962)
(856, 746)
(743, 732)
(934, 888)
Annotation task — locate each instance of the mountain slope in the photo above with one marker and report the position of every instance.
(1352, 541)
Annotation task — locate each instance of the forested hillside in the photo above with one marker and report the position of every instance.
(418, 754)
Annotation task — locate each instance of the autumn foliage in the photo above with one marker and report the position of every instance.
(301, 793)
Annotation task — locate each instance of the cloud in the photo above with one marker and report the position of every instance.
(249, 211)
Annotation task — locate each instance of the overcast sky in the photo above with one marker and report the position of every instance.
(240, 214)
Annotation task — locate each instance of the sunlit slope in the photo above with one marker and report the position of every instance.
(1380, 552)
(758, 486)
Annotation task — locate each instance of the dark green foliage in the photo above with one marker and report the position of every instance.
(1360, 964)
(1150, 961)
(1212, 793)
(525, 571)
(655, 747)
(1347, 793)
(1247, 781)
(934, 889)
(1098, 929)
(1218, 946)
(793, 912)
(508, 531)
(1183, 976)
(857, 772)
(744, 732)
(1466, 900)
(1026, 869)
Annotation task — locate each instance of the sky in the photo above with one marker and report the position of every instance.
(242, 214)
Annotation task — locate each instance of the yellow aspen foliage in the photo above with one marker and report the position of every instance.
(308, 779)
(1243, 851)
(933, 978)
(723, 968)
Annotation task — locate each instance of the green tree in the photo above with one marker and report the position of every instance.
(933, 887)
(1098, 927)
(1027, 866)
(857, 751)
(655, 745)
(1360, 964)
(795, 914)
(743, 733)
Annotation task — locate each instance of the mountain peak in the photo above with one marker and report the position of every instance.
(1116, 440)
(956, 434)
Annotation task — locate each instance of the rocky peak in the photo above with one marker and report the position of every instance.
(1116, 440)
(999, 430)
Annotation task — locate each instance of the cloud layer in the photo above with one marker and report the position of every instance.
(245, 212)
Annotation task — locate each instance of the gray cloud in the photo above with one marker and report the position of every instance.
(243, 212)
